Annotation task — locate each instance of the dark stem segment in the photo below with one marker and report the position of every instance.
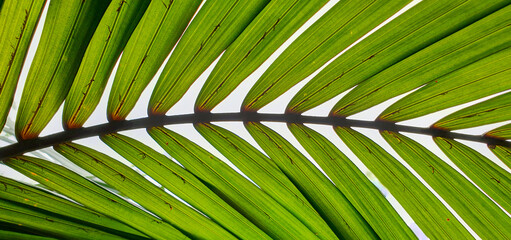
(22, 147)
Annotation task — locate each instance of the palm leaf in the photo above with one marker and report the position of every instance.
(229, 175)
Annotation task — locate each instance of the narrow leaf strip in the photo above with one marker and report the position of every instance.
(214, 28)
(145, 193)
(494, 110)
(342, 25)
(330, 203)
(184, 184)
(480, 79)
(92, 196)
(151, 42)
(434, 219)
(22, 236)
(244, 196)
(503, 153)
(106, 45)
(274, 25)
(357, 188)
(424, 24)
(67, 30)
(18, 20)
(490, 35)
(24, 194)
(48, 222)
(492, 179)
(266, 174)
(477, 210)
(501, 132)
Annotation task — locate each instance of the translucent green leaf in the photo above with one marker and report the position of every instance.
(503, 153)
(24, 194)
(18, 20)
(244, 196)
(476, 209)
(92, 196)
(357, 188)
(492, 179)
(67, 30)
(434, 219)
(272, 27)
(159, 29)
(330, 203)
(106, 45)
(215, 27)
(22, 236)
(48, 222)
(266, 174)
(490, 35)
(501, 132)
(424, 24)
(494, 110)
(145, 193)
(184, 184)
(480, 79)
(342, 25)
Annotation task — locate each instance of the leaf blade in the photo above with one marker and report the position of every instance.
(148, 195)
(266, 175)
(337, 29)
(106, 45)
(15, 15)
(151, 42)
(68, 28)
(491, 178)
(90, 195)
(427, 211)
(274, 25)
(478, 211)
(357, 188)
(261, 209)
(424, 24)
(322, 194)
(184, 184)
(214, 28)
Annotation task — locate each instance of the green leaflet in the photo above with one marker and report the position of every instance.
(494, 110)
(342, 25)
(357, 188)
(18, 20)
(424, 24)
(214, 28)
(22, 235)
(266, 174)
(274, 25)
(503, 153)
(427, 211)
(24, 194)
(145, 193)
(501, 132)
(244, 196)
(92, 196)
(491, 178)
(490, 35)
(67, 30)
(154, 37)
(184, 184)
(330, 203)
(48, 222)
(485, 77)
(476, 209)
(109, 39)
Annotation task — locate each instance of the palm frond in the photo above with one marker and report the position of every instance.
(226, 175)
